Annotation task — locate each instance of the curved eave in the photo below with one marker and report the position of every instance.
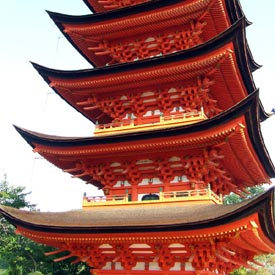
(233, 6)
(235, 34)
(235, 11)
(263, 114)
(145, 218)
(252, 118)
(248, 108)
(62, 20)
(253, 64)
(92, 6)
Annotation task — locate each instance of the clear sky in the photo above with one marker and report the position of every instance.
(28, 34)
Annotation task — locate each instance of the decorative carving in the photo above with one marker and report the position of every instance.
(176, 171)
(155, 44)
(215, 256)
(162, 101)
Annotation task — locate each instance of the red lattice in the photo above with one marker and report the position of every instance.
(177, 98)
(212, 256)
(153, 45)
(203, 255)
(179, 172)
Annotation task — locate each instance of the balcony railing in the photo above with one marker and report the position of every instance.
(172, 196)
(143, 123)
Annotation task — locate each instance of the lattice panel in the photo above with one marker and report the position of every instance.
(116, 106)
(203, 255)
(213, 256)
(178, 98)
(180, 172)
(153, 45)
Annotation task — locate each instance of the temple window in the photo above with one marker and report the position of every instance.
(150, 197)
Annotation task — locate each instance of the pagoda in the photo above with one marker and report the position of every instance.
(177, 127)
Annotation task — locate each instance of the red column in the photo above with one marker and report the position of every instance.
(134, 192)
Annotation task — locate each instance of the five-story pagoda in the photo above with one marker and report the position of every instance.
(177, 117)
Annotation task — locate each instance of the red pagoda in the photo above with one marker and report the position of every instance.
(177, 126)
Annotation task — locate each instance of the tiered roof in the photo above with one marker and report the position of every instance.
(215, 76)
(243, 159)
(206, 134)
(150, 29)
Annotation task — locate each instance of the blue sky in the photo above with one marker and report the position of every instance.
(28, 34)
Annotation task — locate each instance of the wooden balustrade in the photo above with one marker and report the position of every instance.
(184, 195)
(142, 122)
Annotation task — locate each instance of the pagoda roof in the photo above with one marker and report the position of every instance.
(243, 230)
(146, 218)
(229, 48)
(83, 31)
(236, 132)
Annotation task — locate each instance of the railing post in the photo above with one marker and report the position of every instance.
(209, 191)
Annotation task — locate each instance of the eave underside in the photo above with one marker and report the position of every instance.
(228, 66)
(91, 38)
(233, 152)
(229, 168)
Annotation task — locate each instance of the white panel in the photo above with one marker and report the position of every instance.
(154, 266)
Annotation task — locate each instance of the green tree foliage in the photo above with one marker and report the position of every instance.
(267, 269)
(251, 192)
(242, 271)
(21, 256)
(14, 196)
